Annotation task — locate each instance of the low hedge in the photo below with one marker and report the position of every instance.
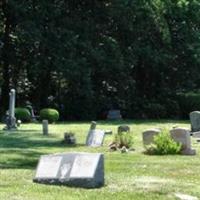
(52, 115)
(23, 114)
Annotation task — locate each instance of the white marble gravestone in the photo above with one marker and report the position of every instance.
(195, 121)
(182, 136)
(95, 138)
(72, 169)
(148, 136)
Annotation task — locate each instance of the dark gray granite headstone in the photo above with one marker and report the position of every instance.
(95, 138)
(114, 114)
(195, 121)
(123, 128)
(73, 169)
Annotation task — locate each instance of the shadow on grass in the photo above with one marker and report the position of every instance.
(23, 150)
(19, 159)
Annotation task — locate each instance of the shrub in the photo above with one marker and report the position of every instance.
(23, 114)
(163, 145)
(49, 114)
(123, 139)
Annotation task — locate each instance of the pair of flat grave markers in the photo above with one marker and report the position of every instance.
(72, 169)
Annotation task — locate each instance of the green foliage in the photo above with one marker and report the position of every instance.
(123, 139)
(155, 110)
(23, 114)
(49, 114)
(53, 51)
(188, 102)
(163, 145)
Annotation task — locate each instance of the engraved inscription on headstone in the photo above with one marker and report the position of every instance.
(95, 138)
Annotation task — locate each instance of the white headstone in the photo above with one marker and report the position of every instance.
(182, 136)
(148, 136)
(95, 138)
(73, 169)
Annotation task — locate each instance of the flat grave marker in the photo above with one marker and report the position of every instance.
(72, 169)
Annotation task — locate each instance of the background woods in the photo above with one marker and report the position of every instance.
(85, 57)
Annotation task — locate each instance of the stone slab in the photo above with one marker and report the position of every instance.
(72, 169)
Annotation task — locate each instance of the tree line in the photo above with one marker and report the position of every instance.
(85, 57)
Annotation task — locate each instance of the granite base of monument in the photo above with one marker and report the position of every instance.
(84, 170)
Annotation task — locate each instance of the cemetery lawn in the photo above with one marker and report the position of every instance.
(127, 176)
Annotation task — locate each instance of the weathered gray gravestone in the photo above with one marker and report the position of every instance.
(123, 128)
(45, 127)
(11, 120)
(95, 138)
(93, 125)
(73, 169)
(148, 136)
(114, 115)
(195, 121)
(182, 136)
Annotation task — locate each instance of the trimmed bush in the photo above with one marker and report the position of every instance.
(163, 145)
(52, 115)
(23, 114)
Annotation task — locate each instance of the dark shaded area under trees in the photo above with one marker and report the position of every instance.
(85, 57)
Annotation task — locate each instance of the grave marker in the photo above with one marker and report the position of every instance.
(95, 138)
(114, 115)
(182, 136)
(123, 128)
(148, 136)
(10, 119)
(195, 121)
(73, 169)
(45, 127)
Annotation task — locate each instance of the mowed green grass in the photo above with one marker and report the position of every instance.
(127, 176)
